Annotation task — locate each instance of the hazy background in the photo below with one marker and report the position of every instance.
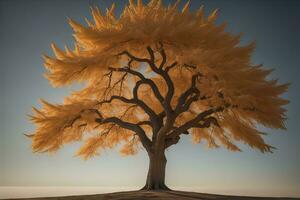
(28, 27)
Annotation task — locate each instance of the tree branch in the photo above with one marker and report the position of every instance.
(144, 123)
(167, 79)
(142, 104)
(142, 77)
(184, 101)
(129, 126)
(135, 101)
(203, 117)
(163, 56)
(168, 68)
(127, 53)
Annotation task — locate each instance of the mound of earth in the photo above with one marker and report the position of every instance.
(159, 195)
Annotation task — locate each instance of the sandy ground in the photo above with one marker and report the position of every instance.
(164, 195)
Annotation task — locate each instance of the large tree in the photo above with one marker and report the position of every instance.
(152, 75)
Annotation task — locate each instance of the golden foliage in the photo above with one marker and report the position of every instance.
(190, 39)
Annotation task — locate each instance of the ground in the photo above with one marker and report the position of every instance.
(159, 195)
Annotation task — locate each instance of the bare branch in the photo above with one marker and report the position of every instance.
(130, 126)
(184, 101)
(135, 101)
(144, 123)
(168, 68)
(111, 87)
(189, 66)
(70, 124)
(127, 53)
(166, 77)
(163, 56)
(142, 77)
(203, 117)
(95, 111)
(151, 62)
(127, 110)
(115, 97)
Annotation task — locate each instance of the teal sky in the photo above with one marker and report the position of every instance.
(28, 28)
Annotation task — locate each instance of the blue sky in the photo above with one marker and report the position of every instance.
(28, 28)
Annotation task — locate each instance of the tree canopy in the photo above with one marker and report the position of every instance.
(157, 72)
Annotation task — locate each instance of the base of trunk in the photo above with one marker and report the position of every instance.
(155, 187)
(156, 173)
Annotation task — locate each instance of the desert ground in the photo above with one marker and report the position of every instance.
(159, 195)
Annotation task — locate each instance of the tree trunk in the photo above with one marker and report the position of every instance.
(156, 172)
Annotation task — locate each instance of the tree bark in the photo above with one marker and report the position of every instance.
(156, 173)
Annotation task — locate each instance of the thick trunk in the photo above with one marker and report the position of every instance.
(156, 172)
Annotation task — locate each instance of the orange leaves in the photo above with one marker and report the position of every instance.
(58, 124)
(91, 147)
(183, 44)
(213, 16)
(104, 139)
(185, 8)
(244, 130)
(139, 25)
(214, 137)
(130, 147)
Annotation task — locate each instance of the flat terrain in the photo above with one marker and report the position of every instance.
(158, 195)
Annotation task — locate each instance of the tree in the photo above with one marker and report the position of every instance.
(152, 75)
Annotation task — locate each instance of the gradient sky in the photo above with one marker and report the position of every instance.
(28, 28)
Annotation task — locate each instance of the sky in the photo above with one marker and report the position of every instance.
(29, 27)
